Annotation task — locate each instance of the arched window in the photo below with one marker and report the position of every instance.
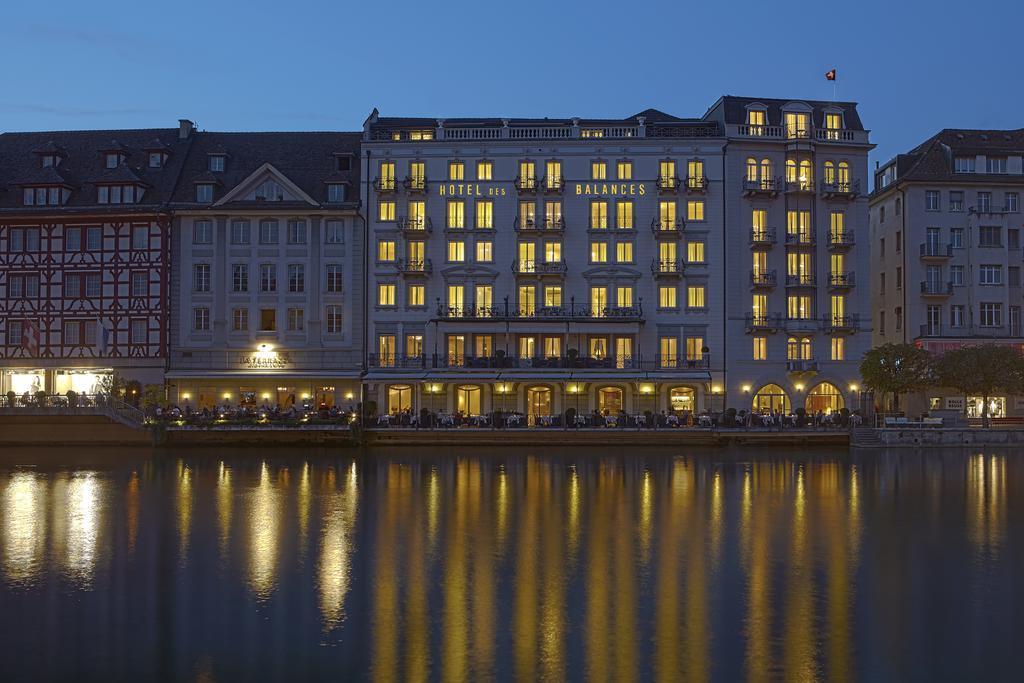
(806, 175)
(830, 173)
(681, 399)
(468, 400)
(766, 173)
(825, 398)
(609, 400)
(771, 397)
(790, 171)
(399, 398)
(752, 169)
(798, 348)
(844, 176)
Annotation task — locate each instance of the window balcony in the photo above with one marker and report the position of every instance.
(840, 241)
(667, 267)
(799, 239)
(765, 279)
(848, 190)
(384, 185)
(526, 185)
(667, 184)
(764, 237)
(538, 267)
(839, 135)
(840, 324)
(416, 184)
(801, 280)
(665, 227)
(420, 225)
(934, 251)
(697, 184)
(397, 361)
(575, 312)
(564, 361)
(412, 267)
(972, 331)
(801, 365)
(761, 323)
(552, 184)
(936, 289)
(763, 187)
(841, 279)
(802, 325)
(799, 186)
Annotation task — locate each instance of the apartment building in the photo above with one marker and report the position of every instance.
(266, 272)
(946, 250)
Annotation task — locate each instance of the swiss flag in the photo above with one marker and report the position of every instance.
(830, 75)
(30, 337)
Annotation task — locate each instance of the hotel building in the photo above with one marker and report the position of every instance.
(631, 264)
(84, 284)
(946, 249)
(266, 271)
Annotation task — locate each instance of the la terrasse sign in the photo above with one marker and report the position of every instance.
(264, 361)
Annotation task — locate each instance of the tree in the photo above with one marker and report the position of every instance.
(981, 371)
(896, 369)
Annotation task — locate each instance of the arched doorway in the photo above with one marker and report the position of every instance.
(681, 400)
(825, 397)
(771, 397)
(399, 398)
(538, 403)
(468, 400)
(609, 400)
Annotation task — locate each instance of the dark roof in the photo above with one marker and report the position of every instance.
(83, 166)
(307, 159)
(734, 110)
(932, 160)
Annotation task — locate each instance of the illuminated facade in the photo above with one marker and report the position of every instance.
(946, 249)
(541, 265)
(84, 229)
(267, 299)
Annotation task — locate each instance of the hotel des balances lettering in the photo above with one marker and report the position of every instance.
(647, 263)
(267, 300)
(84, 227)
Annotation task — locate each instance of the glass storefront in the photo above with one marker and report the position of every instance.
(996, 406)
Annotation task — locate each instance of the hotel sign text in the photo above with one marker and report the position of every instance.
(265, 361)
(470, 190)
(614, 189)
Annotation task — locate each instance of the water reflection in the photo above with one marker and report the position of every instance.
(413, 566)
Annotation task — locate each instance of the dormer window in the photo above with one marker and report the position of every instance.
(834, 121)
(336, 193)
(344, 162)
(217, 163)
(268, 191)
(113, 159)
(204, 193)
(43, 196)
(118, 194)
(157, 159)
(50, 160)
(798, 124)
(963, 165)
(756, 119)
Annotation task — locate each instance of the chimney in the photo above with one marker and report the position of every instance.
(185, 128)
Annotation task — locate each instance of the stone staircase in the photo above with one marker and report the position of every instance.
(865, 437)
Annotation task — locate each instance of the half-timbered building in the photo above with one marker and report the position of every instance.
(84, 284)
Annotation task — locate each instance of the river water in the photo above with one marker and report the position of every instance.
(516, 564)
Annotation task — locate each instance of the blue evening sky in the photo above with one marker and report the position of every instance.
(317, 64)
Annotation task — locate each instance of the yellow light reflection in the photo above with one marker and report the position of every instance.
(334, 566)
(84, 511)
(225, 500)
(264, 525)
(24, 526)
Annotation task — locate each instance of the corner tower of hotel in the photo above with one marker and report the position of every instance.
(946, 251)
(630, 264)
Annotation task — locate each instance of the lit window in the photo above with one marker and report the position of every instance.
(385, 294)
(552, 296)
(760, 348)
(456, 214)
(456, 251)
(694, 348)
(485, 251)
(625, 170)
(755, 121)
(667, 296)
(387, 176)
(456, 170)
(624, 252)
(598, 252)
(695, 252)
(624, 214)
(668, 350)
(838, 348)
(554, 175)
(599, 215)
(484, 170)
(386, 211)
(553, 252)
(598, 170)
(485, 214)
(624, 297)
(417, 295)
(386, 250)
(695, 296)
(695, 210)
